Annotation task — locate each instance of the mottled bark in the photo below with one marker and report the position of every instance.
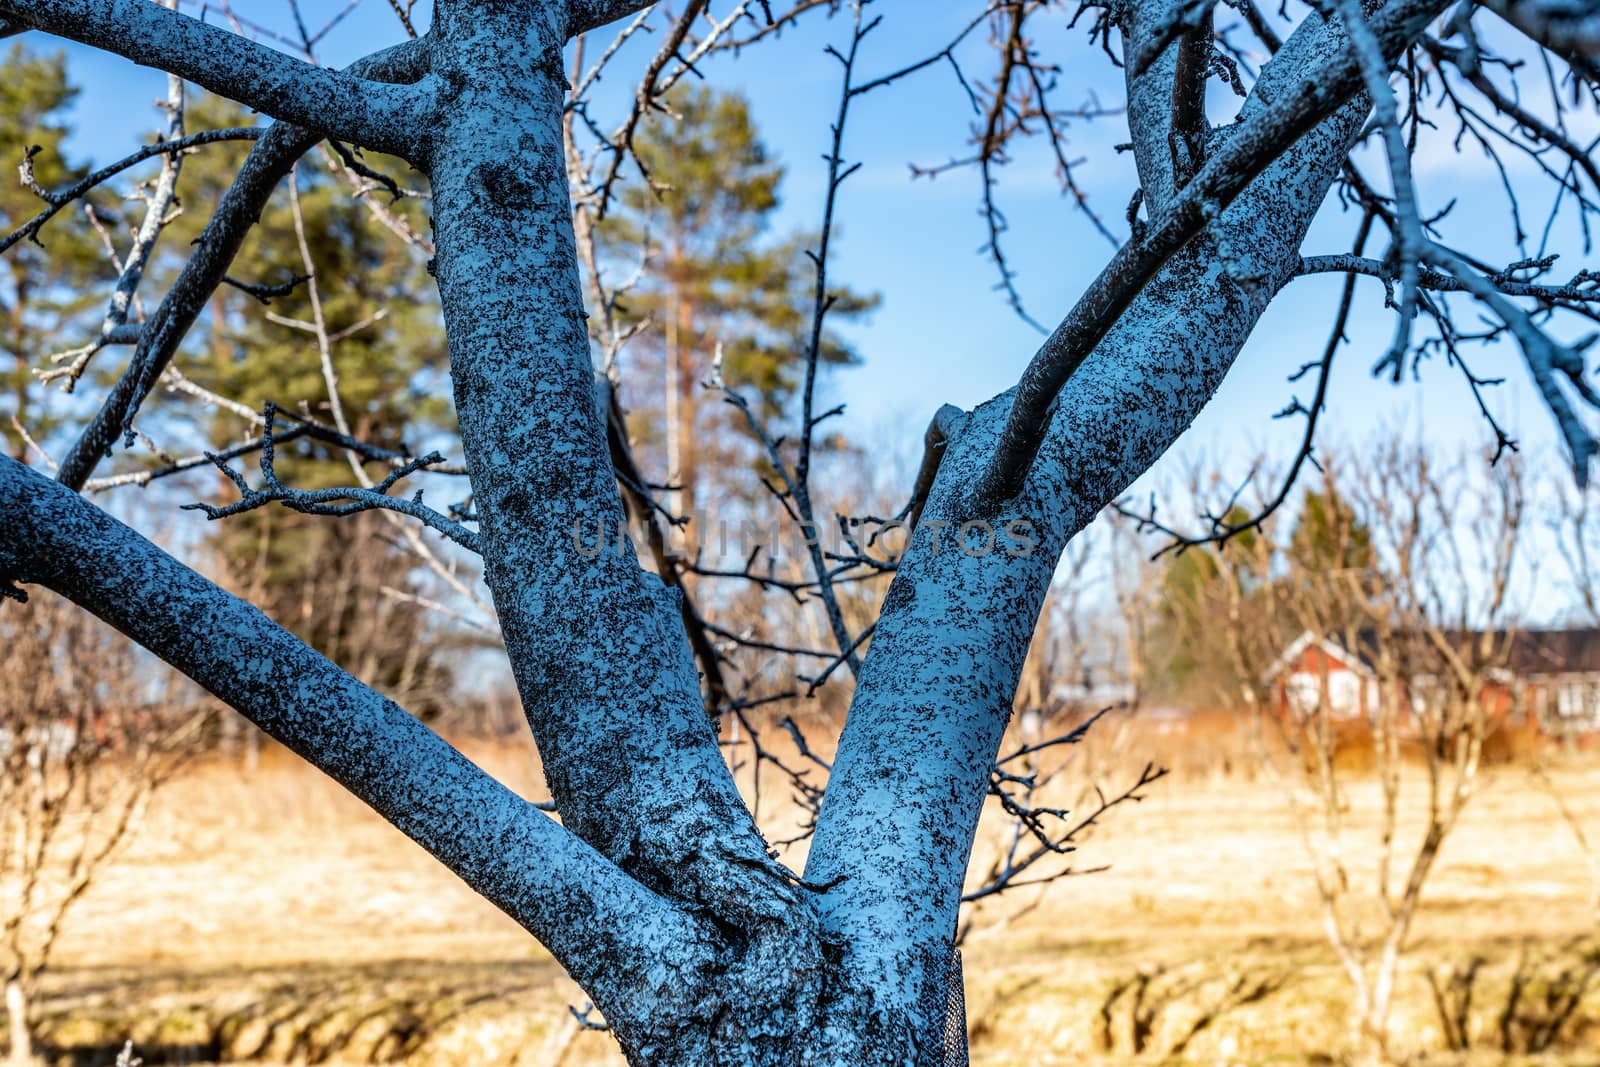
(596, 642)
(343, 104)
(656, 890)
(516, 856)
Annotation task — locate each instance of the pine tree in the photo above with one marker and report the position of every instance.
(321, 577)
(1328, 536)
(1198, 585)
(45, 287)
(717, 279)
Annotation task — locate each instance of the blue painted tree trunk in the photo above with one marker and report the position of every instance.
(656, 890)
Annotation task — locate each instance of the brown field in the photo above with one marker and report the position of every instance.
(264, 916)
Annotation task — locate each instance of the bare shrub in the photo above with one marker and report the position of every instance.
(83, 744)
(1537, 1010)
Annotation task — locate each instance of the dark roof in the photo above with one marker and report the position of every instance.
(1531, 652)
(1555, 652)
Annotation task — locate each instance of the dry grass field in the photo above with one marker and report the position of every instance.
(263, 916)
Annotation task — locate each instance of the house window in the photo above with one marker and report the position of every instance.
(1304, 692)
(1578, 701)
(1344, 695)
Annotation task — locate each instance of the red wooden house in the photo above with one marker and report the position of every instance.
(1548, 679)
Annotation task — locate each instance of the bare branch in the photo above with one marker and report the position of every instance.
(406, 772)
(1569, 28)
(586, 15)
(946, 422)
(1252, 145)
(61, 198)
(158, 203)
(1546, 358)
(347, 105)
(1407, 225)
(1584, 288)
(269, 161)
(334, 502)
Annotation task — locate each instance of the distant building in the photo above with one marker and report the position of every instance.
(1548, 678)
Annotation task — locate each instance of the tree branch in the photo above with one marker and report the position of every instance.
(597, 645)
(945, 424)
(269, 161)
(939, 683)
(586, 15)
(1251, 146)
(373, 113)
(1584, 290)
(57, 199)
(525, 863)
(1549, 362)
(334, 502)
(1190, 128)
(800, 483)
(667, 566)
(1569, 28)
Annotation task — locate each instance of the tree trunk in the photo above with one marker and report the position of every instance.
(672, 392)
(688, 369)
(596, 643)
(656, 890)
(20, 1039)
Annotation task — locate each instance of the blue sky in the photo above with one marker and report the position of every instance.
(942, 334)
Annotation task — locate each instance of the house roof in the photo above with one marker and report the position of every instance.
(1525, 652)
(1356, 662)
(1575, 651)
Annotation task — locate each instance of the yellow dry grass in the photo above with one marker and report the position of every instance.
(264, 914)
